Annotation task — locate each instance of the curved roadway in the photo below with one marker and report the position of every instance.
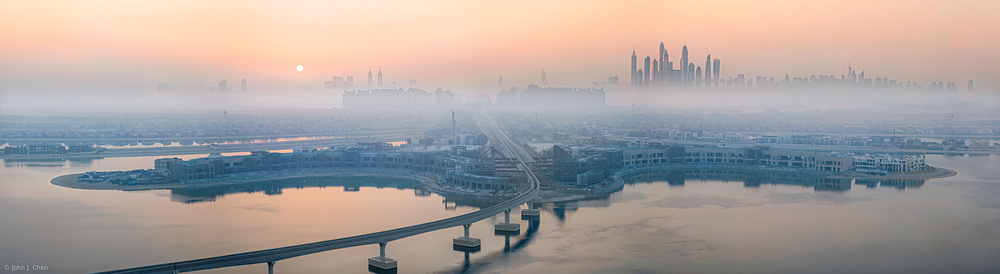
(281, 253)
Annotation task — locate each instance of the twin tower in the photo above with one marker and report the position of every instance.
(662, 73)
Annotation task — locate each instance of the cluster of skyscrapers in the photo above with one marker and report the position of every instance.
(661, 72)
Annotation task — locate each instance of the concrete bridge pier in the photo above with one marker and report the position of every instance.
(507, 228)
(531, 213)
(270, 267)
(381, 264)
(466, 244)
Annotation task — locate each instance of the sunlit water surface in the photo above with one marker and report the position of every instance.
(699, 225)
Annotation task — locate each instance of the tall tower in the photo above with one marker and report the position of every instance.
(697, 76)
(634, 63)
(243, 85)
(685, 70)
(708, 71)
(667, 68)
(645, 75)
(715, 71)
(370, 77)
(545, 79)
(656, 72)
(660, 76)
(380, 77)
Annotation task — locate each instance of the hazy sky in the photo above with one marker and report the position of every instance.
(131, 45)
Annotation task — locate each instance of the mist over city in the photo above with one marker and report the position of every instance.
(772, 136)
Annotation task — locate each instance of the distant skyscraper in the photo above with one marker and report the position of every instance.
(634, 63)
(667, 67)
(613, 80)
(545, 79)
(685, 70)
(380, 77)
(661, 76)
(970, 89)
(639, 75)
(222, 85)
(500, 81)
(656, 72)
(708, 71)
(370, 81)
(690, 69)
(243, 85)
(697, 76)
(645, 75)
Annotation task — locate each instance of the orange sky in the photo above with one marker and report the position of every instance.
(131, 45)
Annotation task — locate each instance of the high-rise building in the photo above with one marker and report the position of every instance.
(638, 74)
(634, 64)
(380, 76)
(697, 76)
(243, 85)
(656, 72)
(708, 71)
(690, 79)
(222, 85)
(715, 71)
(370, 82)
(645, 75)
(661, 76)
(500, 81)
(613, 80)
(667, 67)
(685, 70)
(545, 79)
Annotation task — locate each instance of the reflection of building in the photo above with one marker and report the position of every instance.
(750, 178)
(764, 156)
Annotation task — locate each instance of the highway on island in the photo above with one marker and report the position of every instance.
(498, 139)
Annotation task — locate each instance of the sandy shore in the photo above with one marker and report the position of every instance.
(70, 180)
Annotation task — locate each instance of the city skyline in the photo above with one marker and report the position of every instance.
(85, 48)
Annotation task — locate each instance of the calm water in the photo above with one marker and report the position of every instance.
(662, 222)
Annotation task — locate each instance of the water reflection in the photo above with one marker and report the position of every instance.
(754, 179)
(353, 184)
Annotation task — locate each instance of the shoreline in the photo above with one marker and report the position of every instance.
(70, 181)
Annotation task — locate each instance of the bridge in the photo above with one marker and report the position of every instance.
(498, 139)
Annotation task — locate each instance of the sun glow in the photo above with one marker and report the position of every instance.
(299, 68)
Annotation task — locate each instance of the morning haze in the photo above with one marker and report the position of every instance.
(534, 136)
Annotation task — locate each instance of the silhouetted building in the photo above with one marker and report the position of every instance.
(222, 85)
(708, 71)
(715, 71)
(243, 85)
(613, 80)
(370, 79)
(645, 74)
(380, 77)
(634, 64)
(545, 79)
(685, 69)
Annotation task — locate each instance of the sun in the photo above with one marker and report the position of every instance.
(299, 68)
